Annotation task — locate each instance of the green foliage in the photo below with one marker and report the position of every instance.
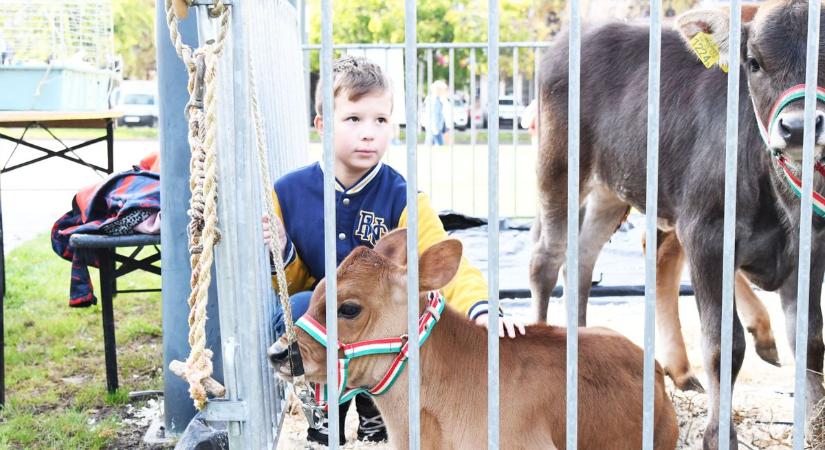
(380, 21)
(134, 27)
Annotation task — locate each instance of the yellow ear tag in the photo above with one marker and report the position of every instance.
(706, 48)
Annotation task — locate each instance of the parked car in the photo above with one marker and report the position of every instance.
(508, 109)
(461, 113)
(138, 102)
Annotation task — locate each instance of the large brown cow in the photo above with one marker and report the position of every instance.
(372, 305)
(614, 74)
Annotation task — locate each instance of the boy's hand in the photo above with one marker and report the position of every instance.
(269, 235)
(504, 323)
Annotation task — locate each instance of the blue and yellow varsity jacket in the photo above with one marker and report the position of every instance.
(372, 207)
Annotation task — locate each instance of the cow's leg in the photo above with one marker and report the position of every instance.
(755, 317)
(703, 245)
(550, 246)
(603, 213)
(547, 258)
(816, 348)
(669, 263)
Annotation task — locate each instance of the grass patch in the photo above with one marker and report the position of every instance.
(55, 368)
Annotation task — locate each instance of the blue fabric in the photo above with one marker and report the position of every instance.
(299, 302)
(363, 212)
(93, 208)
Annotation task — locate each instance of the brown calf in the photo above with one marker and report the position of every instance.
(372, 305)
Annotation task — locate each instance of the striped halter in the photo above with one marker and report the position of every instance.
(398, 345)
(787, 167)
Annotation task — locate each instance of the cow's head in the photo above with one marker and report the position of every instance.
(372, 304)
(773, 53)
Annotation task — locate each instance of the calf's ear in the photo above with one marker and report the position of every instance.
(706, 32)
(438, 265)
(393, 246)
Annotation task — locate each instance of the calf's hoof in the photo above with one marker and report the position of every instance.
(687, 382)
(711, 438)
(767, 351)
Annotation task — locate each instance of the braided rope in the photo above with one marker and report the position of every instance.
(269, 206)
(203, 229)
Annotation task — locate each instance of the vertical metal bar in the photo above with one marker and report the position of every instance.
(572, 280)
(804, 274)
(430, 102)
(729, 242)
(538, 108)
(174, 170)
(330, 248)
(473, 122)
(492, 228)
(302, 13)
(107, 287)
(239, 287)
(651, 211)
(410, 65)
(516, 103)
(110, 146)
(451, 81)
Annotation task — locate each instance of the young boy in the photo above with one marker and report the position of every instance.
(370, 201)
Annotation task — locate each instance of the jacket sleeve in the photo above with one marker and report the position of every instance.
(297, 274)
(467, 292)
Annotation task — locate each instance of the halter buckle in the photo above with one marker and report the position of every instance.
(313, 412)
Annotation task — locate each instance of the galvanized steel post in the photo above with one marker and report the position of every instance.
(651, 211)
(805, 216)
(571, 288)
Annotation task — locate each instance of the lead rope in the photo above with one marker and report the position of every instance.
(305, 393)
(201, 64)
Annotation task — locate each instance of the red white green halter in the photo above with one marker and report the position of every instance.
(793, 94)
(399, 345)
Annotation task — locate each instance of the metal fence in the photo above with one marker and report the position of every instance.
(240, 168)
(438, 169)
(493, 47)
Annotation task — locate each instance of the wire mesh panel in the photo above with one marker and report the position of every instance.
(77, 32)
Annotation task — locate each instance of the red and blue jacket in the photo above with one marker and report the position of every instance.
(113, 206)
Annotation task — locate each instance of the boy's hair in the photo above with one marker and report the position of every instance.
(356, 76)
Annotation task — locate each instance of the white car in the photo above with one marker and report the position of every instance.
(509, 110)
(138, 102)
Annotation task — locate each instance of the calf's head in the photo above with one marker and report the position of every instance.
(372, 304)
(773, 54)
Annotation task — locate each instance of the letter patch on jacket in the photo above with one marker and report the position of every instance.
(370, 228)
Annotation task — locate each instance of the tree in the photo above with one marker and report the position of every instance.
(381, 21)
(134, 29)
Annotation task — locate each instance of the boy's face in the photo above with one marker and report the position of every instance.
(362, 132)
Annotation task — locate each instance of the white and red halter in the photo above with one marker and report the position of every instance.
(426, 323)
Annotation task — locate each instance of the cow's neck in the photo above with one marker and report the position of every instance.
(453, 376)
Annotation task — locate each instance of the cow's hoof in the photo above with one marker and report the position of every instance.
(689, 383)
(767, 351)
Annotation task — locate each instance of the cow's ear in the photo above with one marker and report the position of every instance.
(705, 32)
(439, 264)
(393, 246)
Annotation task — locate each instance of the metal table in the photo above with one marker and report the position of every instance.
(48, 120)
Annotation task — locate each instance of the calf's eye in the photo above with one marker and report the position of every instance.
(349, 310)
(752, 64)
